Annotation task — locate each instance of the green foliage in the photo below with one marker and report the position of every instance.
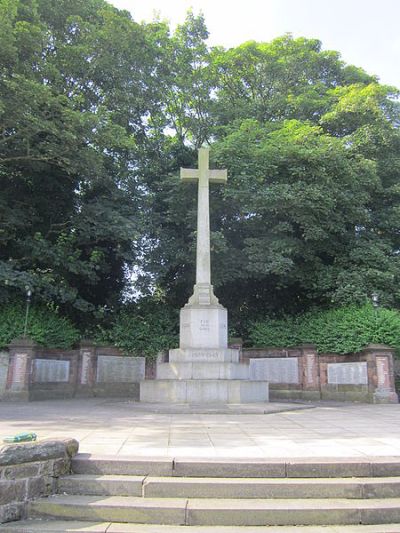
(143, 330)
(97, 114)
(343, 330)
(76, 90)
(45, 326)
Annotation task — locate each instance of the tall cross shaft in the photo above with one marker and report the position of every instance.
(204, 176)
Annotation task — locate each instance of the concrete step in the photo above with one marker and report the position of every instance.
(248, 488)
(235, 468)
(111, 508)
(58, 526)
(98, 485)
(223, 512)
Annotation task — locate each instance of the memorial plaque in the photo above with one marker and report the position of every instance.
(85, 369)
(116, 369)
(275, 370)
(347, 373)
(50, 371)
(382, 367)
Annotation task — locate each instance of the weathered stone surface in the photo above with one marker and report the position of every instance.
(204, 391)
(275, 370)
(111, 508)
(328, 468)
(108, 485)
(51, 371)
(234, 468)
(202, 371)
(37, 451)
(348, 373)
(59, 467)
(39, 486)
(118, 369)
(12, 511)
(204, 355)
(158, 466)
(23, 470)
(203, 327)
(12, 490)
(271, 512)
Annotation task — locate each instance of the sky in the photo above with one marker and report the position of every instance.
(365, 32)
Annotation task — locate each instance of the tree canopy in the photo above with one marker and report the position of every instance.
(97, 114)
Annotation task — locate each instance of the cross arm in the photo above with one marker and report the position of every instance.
(189, 174)
(218, 176)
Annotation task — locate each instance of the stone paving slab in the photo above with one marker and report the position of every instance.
(124, 428)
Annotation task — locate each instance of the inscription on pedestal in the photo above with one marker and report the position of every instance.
(204, 325)
(275, 370)
(116, 369)
(348, 374)
(50, 371)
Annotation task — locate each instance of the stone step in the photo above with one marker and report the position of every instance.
(232, 488)
(224, 512)
(59, 526)
(202, 371)
(204, 391)
(235, 468)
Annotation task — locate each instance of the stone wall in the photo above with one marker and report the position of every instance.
(35, 373)
(31, 470)
(303, 374)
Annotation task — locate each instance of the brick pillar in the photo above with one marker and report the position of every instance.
(381, 373)
(86, 369)
(22, 353)
(309, 373)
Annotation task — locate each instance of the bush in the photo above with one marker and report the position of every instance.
(45, 326)
(143, 329)
(343, 330)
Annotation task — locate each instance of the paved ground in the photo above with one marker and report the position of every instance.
(118, 427)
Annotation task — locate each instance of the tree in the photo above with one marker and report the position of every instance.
(77, 82)
(310, 212)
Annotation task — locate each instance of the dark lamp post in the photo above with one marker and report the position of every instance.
(28, 303)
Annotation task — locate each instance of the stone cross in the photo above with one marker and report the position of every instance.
(203, 293)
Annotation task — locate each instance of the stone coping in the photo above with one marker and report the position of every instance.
(18, 453)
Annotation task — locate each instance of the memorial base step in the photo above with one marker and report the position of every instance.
(204, 391)
(203, 371)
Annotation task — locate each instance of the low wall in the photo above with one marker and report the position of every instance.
(35, 373)
(29, 471)
(303, 374)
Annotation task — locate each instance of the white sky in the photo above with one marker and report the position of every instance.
(365, 32)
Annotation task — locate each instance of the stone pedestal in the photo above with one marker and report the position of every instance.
(203, 327)
(203, 375)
